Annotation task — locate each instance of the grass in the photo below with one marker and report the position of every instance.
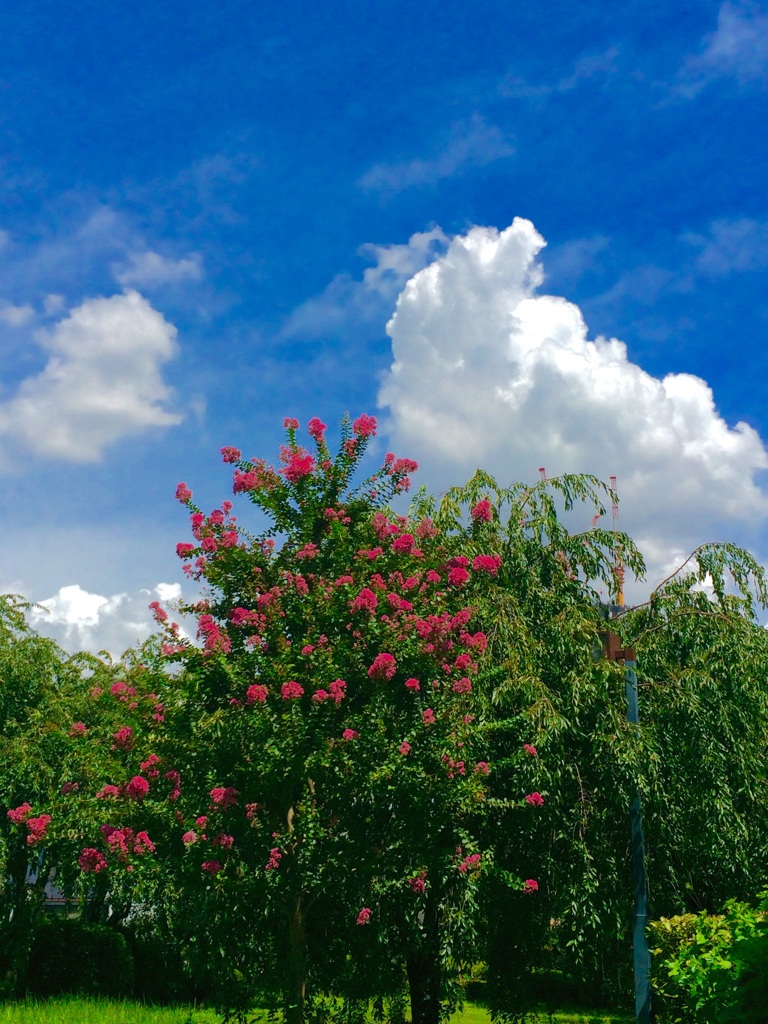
(74, 1010)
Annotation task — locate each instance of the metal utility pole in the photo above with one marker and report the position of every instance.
(642, 954)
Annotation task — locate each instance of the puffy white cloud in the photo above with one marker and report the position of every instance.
(151, 270)
(102, 381)
(472, 143)
(82, 621)
(488, 372)
(738, 48)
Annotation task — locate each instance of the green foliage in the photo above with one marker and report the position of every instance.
(712, 969)
(72, 956)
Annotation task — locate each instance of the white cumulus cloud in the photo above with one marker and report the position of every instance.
(488, 372)
(82, 621)
(102, 381)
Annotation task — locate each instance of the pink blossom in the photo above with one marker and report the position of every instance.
(123, 738)
(202, 821)
(316, 429)
(189, 838)
(413, 685)
(228, 539)
(384, 666)
(535, 800)
(108, 792)
(275, 857)
(143, 844)
(148, 766)
(366, 601)
(482, 512)
(223, 797)
(225, 841)
(530, 885)
(364, 916)
(185, 550)
(482, 768)
(428, 717)
(91, 860)
(212, 867)
(290, 423)
(457, 576)
(78, 729)
(69, 787)
(487, 563)
(350, 734)
(405, 748)
(343, 581)
(418, 883)
(183, 494)
(470, 863)
(137, 788)
(365, 426)
(256, 694)
(231, 454)
(37, 828)
(463, 685)
(532, 751)
(298, 464)
(337, 690)
(404, 543)
(320, 696)
(291, 690)
(309, 551)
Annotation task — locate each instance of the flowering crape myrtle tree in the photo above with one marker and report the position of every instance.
(327, 732)
(71, 729)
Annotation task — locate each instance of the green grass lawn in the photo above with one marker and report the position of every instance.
(71, 1010)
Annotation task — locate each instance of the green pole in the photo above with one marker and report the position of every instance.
(640, 949)
(642, 954)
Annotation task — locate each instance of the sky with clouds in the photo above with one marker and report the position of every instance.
(521, 235)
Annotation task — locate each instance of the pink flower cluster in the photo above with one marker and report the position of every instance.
(482, 511)
(38, 827)
(535, 800)
(336, 692)
(470, 863)
(364, 426)
(487, 563)
(91, 860)
(223, 797)
(291, 690)
(297, 463)
(364, 917)
(530, 885)
(137, 788)
(384, 667)
(216, 641)
(275, 857)
(350, 734)
(123, 738)
(418, 883)
(256, 694)
(532, 751)
(211, 867)
(78, 729)
(18, 815)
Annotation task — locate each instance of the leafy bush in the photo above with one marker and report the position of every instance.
(712, 968)
(72, 956)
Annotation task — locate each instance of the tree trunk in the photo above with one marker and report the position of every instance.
(424, 986)
(296, 981)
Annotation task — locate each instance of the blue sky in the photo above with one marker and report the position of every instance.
(209, 216)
